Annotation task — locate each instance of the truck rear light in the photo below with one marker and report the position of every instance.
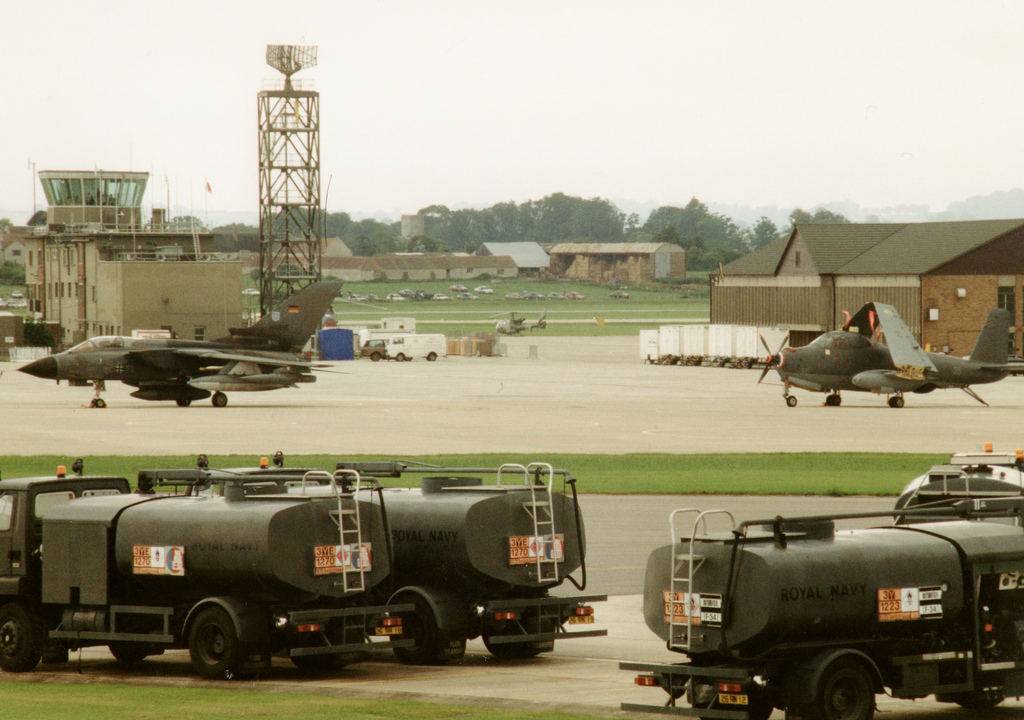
(584, 611)
(312, 627)
(505, 616)
(62, 471)
(264, 463)
(645, 681)
(730, 688)
(391, 621)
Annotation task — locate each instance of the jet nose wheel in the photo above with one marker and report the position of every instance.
(219, 399)
(896, 401)
(791, 400)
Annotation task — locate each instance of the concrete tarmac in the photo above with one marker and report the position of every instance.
(550, 394)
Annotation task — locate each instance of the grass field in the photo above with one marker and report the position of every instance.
(29, 701)
(648, 306)
(735, 474)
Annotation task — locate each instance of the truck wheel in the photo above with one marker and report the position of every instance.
(400, 357)
(21, 639)
(523, 650)
(375, 356)
(432, 357)
(845, 693)
(979, 700)
(213, 644)
(432, 647)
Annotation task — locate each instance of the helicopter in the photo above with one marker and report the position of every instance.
(515, 325)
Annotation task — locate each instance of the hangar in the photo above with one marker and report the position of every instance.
(618, 262)
(942, 277)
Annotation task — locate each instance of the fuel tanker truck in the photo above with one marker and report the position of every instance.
(480, 559)
(230, 569)
(473, 559)
(793, 614)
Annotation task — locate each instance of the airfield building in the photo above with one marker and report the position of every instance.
(97, 269)
(942, 277)
(618, 262)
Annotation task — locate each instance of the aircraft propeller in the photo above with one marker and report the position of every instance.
(774, 358)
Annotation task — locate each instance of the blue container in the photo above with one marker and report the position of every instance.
(335, 343)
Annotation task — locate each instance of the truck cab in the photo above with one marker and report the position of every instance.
(23, 501)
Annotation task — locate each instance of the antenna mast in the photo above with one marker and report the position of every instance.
(289, 148)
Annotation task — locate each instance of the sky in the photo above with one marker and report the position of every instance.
(472, 103)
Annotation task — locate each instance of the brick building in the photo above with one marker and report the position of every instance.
(942, 277)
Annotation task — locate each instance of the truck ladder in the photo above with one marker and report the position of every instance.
(684, 566)
(541, 510)
(350, 530)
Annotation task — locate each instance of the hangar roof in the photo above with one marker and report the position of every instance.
(523, 254)
(876, 248)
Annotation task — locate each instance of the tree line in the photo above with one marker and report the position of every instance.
(709, 238)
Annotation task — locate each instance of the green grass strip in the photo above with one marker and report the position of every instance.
(738, 474)
(102, 702)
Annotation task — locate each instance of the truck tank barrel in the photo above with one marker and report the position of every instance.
(274, 548)
(457, 532)
(810, 589)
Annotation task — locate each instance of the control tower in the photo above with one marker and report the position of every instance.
(289, 139)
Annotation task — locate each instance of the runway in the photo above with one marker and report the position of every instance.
(550, 394)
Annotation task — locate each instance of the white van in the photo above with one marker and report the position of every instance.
(408, 346)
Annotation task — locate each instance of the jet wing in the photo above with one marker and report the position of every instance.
(244, 357)
(910, 360)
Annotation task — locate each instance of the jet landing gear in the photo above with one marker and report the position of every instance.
(896, 401)
(219, 399)
(97, 401)
(833, 400)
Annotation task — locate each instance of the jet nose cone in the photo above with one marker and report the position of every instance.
(42, 368)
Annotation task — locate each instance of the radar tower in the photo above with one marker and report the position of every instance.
(289, 147)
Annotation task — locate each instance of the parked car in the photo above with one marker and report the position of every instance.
(440, 297)
(556, 296)
(573, 295)
(620, 295)
(513, 296)
(375, 350)
(530, 295)
(458, 288)
(395, 296)
(483, 290)
(467, 296)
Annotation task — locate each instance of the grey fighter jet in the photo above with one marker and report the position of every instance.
(261, 357)
(855, 359)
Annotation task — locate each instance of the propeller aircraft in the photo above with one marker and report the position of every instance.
(857, 359)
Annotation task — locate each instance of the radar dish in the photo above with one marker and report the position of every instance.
(289, 59)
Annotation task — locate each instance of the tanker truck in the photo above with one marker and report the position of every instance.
(480, 559)
(475, 559)
(232, 570)
(791, 613)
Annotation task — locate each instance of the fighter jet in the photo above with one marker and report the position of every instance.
(513, 325)
(855, 358)
(261, 357)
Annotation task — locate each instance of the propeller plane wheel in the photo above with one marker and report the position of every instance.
(791, 400)
(896, 401)
(219, 399)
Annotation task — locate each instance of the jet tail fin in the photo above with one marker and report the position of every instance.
(294, 320)
(992, 345)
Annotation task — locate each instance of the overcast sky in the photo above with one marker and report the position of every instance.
(475, 103)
